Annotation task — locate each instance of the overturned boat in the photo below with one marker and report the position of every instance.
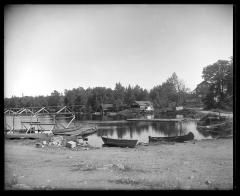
(119, 142)
(76, 131)
(182, 138)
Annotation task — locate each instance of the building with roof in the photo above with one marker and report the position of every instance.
(146, 106)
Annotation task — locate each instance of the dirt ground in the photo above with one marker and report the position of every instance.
(205, 164)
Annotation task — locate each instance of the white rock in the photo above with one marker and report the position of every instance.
(71, 144)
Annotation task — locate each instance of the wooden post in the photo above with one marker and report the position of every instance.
(180, 128)
(13, 121)
(54, 117)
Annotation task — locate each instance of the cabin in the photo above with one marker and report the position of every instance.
(146, 106)
(106, 108)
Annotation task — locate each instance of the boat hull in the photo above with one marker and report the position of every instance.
(81, 132)
(64, 130)
(119, 142)
(183, 138)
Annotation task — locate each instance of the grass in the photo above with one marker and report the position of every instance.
(84, 167)
(12, 183)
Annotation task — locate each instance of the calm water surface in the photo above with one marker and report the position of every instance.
(126, 130)
(141, 131)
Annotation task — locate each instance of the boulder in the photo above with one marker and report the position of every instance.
(56, 140)
(39, 145)
(71, 144)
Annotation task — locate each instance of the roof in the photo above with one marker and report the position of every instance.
(143, 102)
(106, 106)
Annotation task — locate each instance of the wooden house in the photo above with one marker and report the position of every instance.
(146, 106)
(105, 108)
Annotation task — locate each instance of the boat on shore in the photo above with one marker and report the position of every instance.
(64, 130)
(182, 138)
(82, 131)
(119, 142)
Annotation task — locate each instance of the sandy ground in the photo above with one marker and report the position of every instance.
(205, 164)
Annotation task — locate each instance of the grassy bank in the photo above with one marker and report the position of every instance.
(206, 164)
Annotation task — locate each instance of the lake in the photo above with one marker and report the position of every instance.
(141, 131)
(124, 130)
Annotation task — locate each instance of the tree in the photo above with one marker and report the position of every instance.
(129, 95)
(180, 88)
(55, 99)
(219, 76)
(118, 94)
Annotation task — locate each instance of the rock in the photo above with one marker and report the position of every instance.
(56, 143)
(71, 144)
(44, 142)
(120, 166)
(57, 139)
(84, 144)
(79, 141)
(39, 145)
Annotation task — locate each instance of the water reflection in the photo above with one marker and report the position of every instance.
(141, 131)
(129, 130)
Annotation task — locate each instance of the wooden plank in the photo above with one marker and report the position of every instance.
(42, 123)
(30, 122)
(157, 120)
(54, 113)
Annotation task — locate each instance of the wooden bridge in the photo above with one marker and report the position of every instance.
(51, 112)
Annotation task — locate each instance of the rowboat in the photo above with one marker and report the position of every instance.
(84, 131)
(64, 130)
(183, 138)
(119, 142)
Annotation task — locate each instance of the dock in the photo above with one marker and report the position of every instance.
(157, 120)
(162, 119)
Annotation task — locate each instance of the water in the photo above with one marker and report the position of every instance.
(126, 130)
(141, 131)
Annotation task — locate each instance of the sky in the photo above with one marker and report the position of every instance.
(58, 47)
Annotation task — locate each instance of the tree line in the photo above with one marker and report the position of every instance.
(215, 92)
